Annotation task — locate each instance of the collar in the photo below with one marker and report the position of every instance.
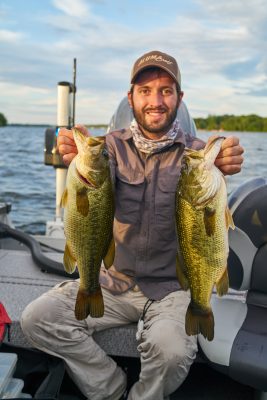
(126, 135)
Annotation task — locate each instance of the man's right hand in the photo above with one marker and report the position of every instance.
(66, 144)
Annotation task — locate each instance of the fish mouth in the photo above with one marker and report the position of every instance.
(84, 180)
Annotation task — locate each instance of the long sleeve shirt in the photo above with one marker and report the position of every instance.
(144, 223)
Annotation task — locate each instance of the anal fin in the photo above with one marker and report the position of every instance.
(68, 260)
(109, 257)
(222, 285)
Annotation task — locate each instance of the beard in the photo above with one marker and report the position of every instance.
(162, 126)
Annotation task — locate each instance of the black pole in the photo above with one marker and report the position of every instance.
(74, 91)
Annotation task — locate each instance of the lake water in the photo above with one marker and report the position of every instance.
(29, 185)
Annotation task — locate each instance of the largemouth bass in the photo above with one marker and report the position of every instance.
(202, 222)
(88, 221)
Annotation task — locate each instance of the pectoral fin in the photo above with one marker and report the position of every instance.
(229, 219)
(109, 257)
(82, 202)
(209, 220)
(64, 198)
(68, 260)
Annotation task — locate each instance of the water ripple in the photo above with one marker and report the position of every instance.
(29, 185)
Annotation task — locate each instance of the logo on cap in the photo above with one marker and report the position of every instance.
(154, 57)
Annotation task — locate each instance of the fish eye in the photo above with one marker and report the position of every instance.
(105, 153)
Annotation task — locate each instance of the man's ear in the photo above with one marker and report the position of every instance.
(130, 101)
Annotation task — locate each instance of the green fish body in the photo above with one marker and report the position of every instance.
(202, 222)
(88, 221)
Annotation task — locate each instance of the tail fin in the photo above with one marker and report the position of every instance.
(89, 303)
(199, 321)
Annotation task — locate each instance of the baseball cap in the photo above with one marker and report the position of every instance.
(157, 59)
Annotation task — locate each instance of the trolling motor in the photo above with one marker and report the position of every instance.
(66, 93)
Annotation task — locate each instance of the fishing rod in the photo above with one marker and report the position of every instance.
(74, 91)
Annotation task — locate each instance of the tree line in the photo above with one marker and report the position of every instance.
(250, 123)
(3, 120)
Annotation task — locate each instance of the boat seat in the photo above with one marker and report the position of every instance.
(239, 348)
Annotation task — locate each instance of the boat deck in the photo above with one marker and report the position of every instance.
(21, 281)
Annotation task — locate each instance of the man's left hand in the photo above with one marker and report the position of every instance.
(230, 158)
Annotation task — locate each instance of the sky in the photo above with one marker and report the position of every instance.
(220, 47)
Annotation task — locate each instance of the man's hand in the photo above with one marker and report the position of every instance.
(66, 144)
(230, 158)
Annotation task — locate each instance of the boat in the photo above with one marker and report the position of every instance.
(234, 364)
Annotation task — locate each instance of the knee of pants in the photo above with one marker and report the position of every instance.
(39, 310)
(169, 343)
(29, 318)
(49, 321)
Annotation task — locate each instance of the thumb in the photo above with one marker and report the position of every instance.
(83, 129)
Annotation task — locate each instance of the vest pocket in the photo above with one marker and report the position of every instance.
(165, 200)
(129, 195)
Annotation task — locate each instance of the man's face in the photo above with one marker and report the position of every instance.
(154, 101)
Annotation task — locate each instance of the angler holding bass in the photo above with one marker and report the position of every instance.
(145, 161)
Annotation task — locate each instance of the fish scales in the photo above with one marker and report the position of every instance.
(202, 222)
(88, 221)
(77, 228)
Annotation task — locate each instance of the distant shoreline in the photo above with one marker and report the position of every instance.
(217, 123)
(105, 126)
(37, 125)
(96, 126)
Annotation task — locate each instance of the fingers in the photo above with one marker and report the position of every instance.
(64, 134)
(83, 129)
(230, 158)
(65, 141)
(229, 165)
(231, 147)
(66, 145)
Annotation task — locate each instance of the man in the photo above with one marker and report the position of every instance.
(145, 162)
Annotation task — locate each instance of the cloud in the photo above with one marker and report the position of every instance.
(75, 9)
(238, 10)
(220, 47)
(8, 36)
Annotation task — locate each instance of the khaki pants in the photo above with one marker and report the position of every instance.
(166, 351)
